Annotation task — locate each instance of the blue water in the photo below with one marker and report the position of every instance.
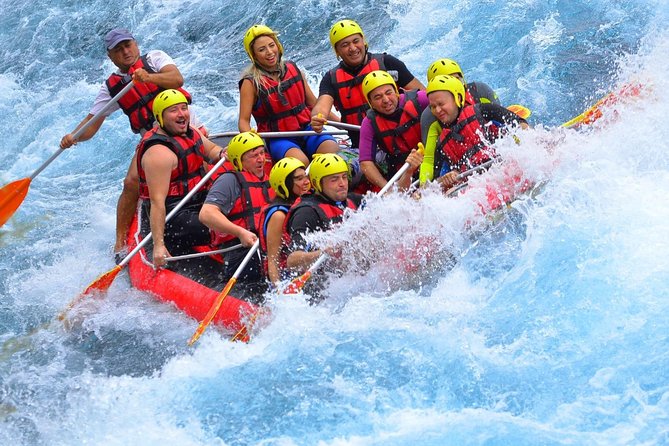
(550, 329)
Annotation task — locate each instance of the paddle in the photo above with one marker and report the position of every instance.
(13, 194)
(222, 295)
(298, 283)
(520, 110)
(202, 254)
(595, 112)
(104, 281)
(468, 173)
(282, 134)
(343, 125)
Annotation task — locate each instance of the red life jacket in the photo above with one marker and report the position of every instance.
(328, 212)
(399, 134)
(279, 205)
(138, 101)
(466, 143)
(349, 100)
(255, 194)
(282, 106)
(190, 158)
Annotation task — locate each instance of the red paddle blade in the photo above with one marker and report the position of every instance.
(212, 311)
(99, 285)
(11, 197)
(296, 285)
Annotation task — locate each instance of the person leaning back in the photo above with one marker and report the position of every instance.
(152, 73)
(170, 163)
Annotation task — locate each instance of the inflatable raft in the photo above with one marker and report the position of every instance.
(235, 315)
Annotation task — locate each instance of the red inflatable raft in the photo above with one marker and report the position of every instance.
(189, 296)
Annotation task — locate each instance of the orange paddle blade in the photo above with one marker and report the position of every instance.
(104, 281)
(212, 311)
(11, 197)
(520, 110)
(296, 285)
(99, 285)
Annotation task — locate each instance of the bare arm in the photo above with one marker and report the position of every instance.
(212, 217)
(415, 84)
(274, 242)
(372, 173)
(302, 260)
(320, 111)
(68, 140)
(247, 96)
(158, 162)
(168, 77)
(415, 160)
(212, 151)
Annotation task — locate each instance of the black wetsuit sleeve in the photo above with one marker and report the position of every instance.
(304, 220)
(484, 92)
(494, 112)
(326, 87)
(404, 76)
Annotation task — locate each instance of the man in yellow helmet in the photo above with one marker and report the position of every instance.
(342, 85)
(475, 92)
(170, 161)
(390, 133)
(318, 212)
(233, 205)
(463, 133)
(152, 73)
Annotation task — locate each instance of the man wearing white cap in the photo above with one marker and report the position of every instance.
(152, 73)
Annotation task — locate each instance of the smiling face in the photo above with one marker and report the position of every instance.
(301, 183)
(443, 107)
(384, 99)
(352, 50)
(176, 119)
(124, 55)
(265, 52)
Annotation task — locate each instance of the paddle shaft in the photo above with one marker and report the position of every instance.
(468, 173)
(395, 178)
(83, 128)
(282, 134)
(202, 254)
(295, 285)
(343, 125)
(223, 294)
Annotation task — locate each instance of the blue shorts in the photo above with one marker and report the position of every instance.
(308, 144)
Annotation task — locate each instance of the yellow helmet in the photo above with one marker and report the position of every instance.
(342, 29)
(444, 66)
(165, 99)
(240, 144)
(280, 173)
(324, 165)
(376, 79)
(444, 82)
(256, 31)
